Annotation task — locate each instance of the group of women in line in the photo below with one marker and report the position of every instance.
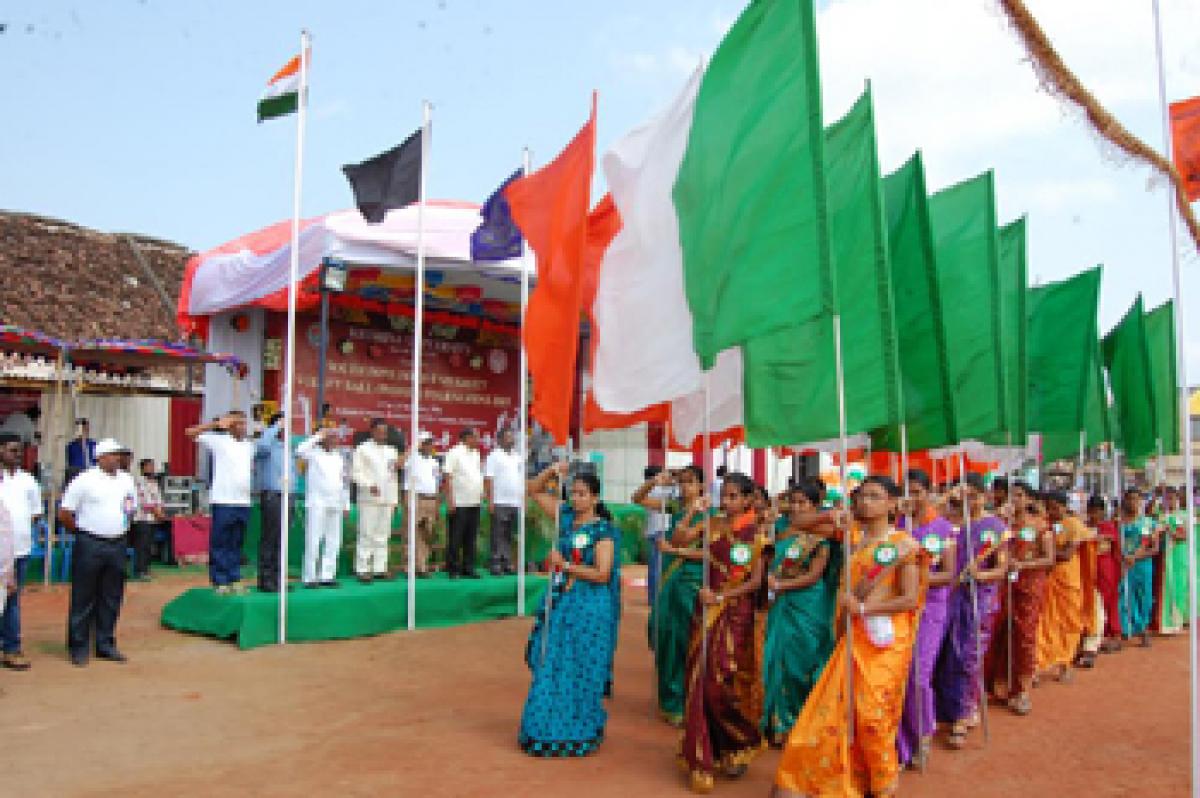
(761, 636)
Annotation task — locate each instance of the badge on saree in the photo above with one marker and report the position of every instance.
(793, 552)
(933, 543)
(740, 554)
(987, 537)
(1027, 535)
(1147, 528)
(581, 540)
(886, 554)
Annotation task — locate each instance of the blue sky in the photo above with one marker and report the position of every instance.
(138, 115)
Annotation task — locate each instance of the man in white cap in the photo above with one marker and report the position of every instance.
(326, 501)
(424, 474)
(98, 506)
(374, 470)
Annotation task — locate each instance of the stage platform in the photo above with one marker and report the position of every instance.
(350, 610)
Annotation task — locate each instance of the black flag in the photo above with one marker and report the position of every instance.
(389, 180)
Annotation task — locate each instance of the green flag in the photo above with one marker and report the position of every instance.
(1062, 360)
(1127, 358)
(750, 194)
(1013, 344)
(963, 219)
(788, 378)
(1097, 420)
(1160, 338)
(925, 396)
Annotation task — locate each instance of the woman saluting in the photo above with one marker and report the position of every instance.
(570, 652)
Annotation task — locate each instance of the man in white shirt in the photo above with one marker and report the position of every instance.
(424, 475)
(98, 506)
(22, 497)
(374, 470)
(464, 490)
(504, 486)
(228, 497)
(326, 502)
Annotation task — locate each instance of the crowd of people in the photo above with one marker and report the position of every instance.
(957, 597)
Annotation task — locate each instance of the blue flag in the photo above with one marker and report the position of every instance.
(497, 237)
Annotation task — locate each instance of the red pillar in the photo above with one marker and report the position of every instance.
(656, 445)
(758, 466)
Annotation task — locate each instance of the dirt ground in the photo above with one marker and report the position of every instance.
(435, 713)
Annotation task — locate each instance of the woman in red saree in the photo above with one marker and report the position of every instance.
(1031, 556)
(719, 732)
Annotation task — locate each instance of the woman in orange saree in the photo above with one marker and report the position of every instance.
(820, 760)
(719, 730)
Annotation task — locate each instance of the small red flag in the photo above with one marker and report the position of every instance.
(1185, 135)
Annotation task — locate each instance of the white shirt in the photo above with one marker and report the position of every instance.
(374, 466)
(424, 472)
(233, 468)
(103, 503)
(325, 479)
(508, 483)
(466, 477)
(22, 497)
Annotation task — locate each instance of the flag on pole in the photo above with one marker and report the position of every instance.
(1185, 140)
(963, 220)
(1013, 327)
(926, 396)
(1160, 339)
(750, 193)
(497, 237)
(789, 381)
(1127, 356)
(388, 181)
(1062, 362)
(282, 96)
(551, 209)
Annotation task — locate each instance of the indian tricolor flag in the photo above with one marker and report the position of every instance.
(283, 92)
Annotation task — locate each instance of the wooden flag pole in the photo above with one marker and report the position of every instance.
(847, 535)
(969, 538)
(523, 413)
(707, 534)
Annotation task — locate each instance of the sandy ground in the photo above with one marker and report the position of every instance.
(435, 713)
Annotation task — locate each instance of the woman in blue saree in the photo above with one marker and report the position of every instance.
(570, 652)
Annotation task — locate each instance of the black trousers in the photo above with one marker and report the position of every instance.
(460, 548)
(504, 528)
(272, 534)
(142, 539)
(97, 587)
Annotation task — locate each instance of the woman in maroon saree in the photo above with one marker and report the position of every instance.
(719, 729)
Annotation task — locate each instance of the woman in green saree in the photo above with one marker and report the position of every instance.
(803, 579)
(671, 616)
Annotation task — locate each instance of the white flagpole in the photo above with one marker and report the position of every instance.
(418, 340)
(289, 375)
(1181, 368)
(524, 412)
(969, 539)
(709, 471)
(847, 542)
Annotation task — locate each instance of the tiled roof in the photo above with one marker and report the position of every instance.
(73, 283)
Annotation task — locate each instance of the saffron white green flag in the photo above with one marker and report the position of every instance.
(282, 96)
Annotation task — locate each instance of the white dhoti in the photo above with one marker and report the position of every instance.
(322, 542)
(374, 531)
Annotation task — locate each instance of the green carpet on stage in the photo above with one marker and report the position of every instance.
(352, 610)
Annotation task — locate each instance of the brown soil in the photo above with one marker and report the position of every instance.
(435, 713)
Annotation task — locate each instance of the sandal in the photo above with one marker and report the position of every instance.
(1064, 674)
(1086, 660)
(1020, 704)
(958, 736)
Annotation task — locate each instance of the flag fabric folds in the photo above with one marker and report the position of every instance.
(1062, 361)
(1127, 358)
(1013, 333)
(282, 95)
(1164, 380)
(789, 381)
(497, 237)
(750, 194)
(925, 396)
(1185, 141)
(963, 218)
(388, 181)
(644, 353)
(551, 209)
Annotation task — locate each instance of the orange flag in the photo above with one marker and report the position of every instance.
(1185, 135)
(550, 207)
(603, 224)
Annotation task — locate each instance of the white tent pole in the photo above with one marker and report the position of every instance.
(418, 341)
(289, 374)
(524, 411)
(1181, 369)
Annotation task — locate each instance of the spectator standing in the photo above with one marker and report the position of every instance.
(149, 519)
(504, 486)
(464, 490)
(270, 449)
(423, 474)
(326, 502)
(22, 499)
(373, 470)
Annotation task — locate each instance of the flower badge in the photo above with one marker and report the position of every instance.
(578, 543)
(933, 544)
(1027, 535)
(740, 555)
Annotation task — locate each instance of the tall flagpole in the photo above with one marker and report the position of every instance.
(524, 411)
(1184, 419)
(418, 340)
(847, 541)
(289, 375)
